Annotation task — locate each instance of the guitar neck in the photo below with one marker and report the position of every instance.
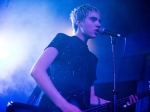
(109, 106)
(140, 95)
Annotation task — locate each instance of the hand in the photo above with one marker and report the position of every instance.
(94, 100)
(70, 108)
(132, 99)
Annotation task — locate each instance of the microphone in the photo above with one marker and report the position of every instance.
(113, 34)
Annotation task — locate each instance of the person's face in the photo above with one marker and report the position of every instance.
(90, 26)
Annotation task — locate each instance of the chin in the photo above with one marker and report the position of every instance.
(93, 36)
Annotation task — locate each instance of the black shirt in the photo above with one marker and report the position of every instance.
(74, 69)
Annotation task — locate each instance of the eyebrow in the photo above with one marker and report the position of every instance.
(95, 18)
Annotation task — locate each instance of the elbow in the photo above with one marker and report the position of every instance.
(34, 72)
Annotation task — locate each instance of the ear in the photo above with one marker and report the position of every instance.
(78, 23)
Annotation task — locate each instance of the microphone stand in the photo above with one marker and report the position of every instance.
(113, 42)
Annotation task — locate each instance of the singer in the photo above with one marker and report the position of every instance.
(66, 70)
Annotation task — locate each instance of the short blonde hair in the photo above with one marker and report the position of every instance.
(80, 13)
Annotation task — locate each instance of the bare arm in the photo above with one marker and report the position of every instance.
(94, 100)
(40, 75)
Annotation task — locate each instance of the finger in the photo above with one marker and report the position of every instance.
(130, 99)
(133, 99)
(127, 104)
(136, 98)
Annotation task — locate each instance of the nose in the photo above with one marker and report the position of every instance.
(98, 24)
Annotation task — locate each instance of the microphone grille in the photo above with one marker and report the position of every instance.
(101, 30)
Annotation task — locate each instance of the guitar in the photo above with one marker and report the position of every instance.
(108, 107)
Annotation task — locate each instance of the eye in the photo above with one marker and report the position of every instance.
(93, 19)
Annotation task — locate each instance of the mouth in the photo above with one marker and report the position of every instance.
(96, 31)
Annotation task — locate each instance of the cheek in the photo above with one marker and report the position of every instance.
(86, 30)
(87, 27)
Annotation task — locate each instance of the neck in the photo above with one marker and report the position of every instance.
(81, 36)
